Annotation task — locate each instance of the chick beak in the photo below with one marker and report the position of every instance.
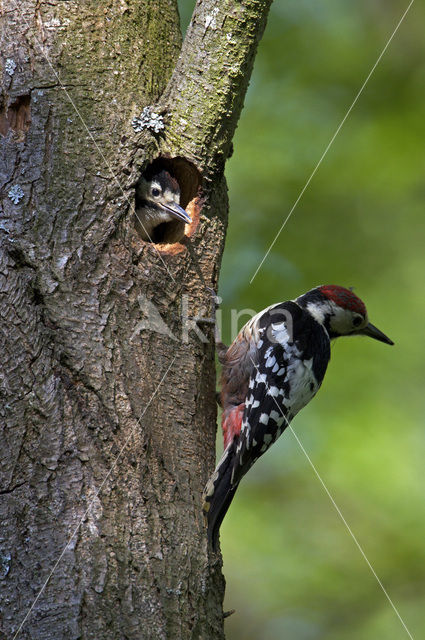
(371, 331)
(176, 211)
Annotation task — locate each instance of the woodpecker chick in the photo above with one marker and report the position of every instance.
(157, 201)
(274, 367)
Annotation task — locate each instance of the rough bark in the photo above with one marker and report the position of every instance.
(108, 427)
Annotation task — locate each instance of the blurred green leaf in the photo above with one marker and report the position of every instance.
(292, 569)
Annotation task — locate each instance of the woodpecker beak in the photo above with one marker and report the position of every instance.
(371, 331)
(176, 211)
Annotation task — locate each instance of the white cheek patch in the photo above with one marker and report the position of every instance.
(341, 320)
(169, 196)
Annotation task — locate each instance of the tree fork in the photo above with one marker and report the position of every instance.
(108, 429)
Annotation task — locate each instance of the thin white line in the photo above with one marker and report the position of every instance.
(350, 532)
(162, 379)
(91, 503)
(332, 140)
(99, 150)
(338, 510)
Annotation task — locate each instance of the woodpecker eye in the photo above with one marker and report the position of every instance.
(155, 192)
(357, 320)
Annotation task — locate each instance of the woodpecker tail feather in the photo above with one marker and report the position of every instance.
(218, 494)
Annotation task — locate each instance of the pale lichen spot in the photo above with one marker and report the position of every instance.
(15, 193)
(10, 66)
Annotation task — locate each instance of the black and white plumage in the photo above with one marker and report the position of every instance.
(271, 371)
(157, 202)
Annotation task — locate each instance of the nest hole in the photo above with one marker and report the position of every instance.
(188, 180)
(16, 116)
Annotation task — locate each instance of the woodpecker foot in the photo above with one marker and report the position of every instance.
(215, 297)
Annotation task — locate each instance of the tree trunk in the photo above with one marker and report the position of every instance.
(108, 426)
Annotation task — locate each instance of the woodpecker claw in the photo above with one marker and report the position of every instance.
(216, 299)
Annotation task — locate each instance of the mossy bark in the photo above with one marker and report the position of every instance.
(108, 427)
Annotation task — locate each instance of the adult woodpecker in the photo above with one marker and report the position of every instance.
(157, 201)
(274, 367)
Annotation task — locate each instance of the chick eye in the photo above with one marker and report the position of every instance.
(155, 192)
(357, 321)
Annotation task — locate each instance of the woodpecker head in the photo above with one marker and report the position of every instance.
(341, 312)
(158, 200)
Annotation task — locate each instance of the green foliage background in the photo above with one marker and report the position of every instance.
(293, 571)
